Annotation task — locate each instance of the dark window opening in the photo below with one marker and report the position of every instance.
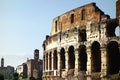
(72, 18)
(83, 35)
(44, 62)
(82, 58)
(96, 57)
(113, 57)
(56, 26)
(71, 57)
(55, 60)
(50, 57)
(111, 28)
(62, 56)
(83, 14)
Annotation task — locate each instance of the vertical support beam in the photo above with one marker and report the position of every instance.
(76, 62)
(59, 64)
(48, 61)
(66, 61)
(103, 62)
(89, 61)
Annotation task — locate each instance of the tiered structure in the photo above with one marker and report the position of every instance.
(82, 42)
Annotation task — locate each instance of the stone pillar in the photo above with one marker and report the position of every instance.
(45, 62)
(66, 61)
(59, 64)
(76, 62)
(103, 62)
(48, 61)
(88, 61)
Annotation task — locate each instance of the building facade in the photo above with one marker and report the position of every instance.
(34, 66)
(22, 70)
(82, 43)
(7, 72)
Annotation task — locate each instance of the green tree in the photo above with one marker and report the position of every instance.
(15, 76)
(32, 78)
(1, 77)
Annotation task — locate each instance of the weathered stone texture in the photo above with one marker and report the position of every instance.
(82, 44)
(118, 8)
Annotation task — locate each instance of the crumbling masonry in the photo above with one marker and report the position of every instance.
(82, 43)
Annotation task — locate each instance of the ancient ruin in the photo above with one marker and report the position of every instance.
(82, 43)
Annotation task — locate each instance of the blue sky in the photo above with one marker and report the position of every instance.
(25, 23)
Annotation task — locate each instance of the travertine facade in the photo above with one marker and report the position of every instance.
(82, 42)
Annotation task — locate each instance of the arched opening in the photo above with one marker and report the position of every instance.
(111, 28)
(50, 61)
(62, 57)
(71, 57)
(55, 60)
(95, 57)
(113, 57)
(83, 35)
(56, 22)
(82, 58)
(83, 14)
(117, 31)
(46, 61)
(72, 18)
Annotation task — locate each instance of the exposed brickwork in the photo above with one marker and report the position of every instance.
(92, 13)
(118, 8)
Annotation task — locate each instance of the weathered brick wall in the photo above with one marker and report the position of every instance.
(118, 8)
(92, 14)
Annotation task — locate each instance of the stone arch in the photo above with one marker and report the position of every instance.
(62, 57)
(71, 57)
(113, 57)
(82, 58)
(55, 58)
(111, 27)
(117, 31)
(95, 57)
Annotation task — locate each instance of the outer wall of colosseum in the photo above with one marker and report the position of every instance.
(82, 43)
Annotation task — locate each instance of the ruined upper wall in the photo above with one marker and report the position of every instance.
(77, 18)
(118, 8)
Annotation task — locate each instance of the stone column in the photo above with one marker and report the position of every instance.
(48, 61)
(103, 62)
(59, 64)
(66, 61)
(88, 61)
(76, 62)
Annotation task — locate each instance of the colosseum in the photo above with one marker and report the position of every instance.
(82, 44)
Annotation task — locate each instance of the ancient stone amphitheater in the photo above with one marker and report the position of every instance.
(82, 44)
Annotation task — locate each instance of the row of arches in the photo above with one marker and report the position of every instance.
(113, 58)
